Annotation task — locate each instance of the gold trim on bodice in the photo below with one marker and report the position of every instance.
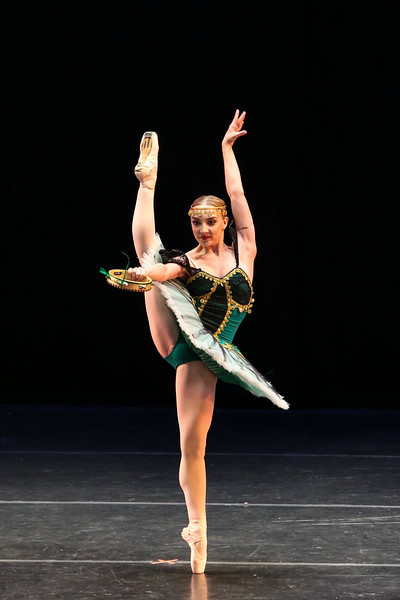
(231, 303)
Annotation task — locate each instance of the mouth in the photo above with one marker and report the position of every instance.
(204, 237)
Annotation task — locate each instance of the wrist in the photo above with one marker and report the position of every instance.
(227, 145)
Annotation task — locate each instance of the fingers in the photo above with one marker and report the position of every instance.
(140, 274)
(235, 135)
(238, 119)
(235, 128)
(137, 273)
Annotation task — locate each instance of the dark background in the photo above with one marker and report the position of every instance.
(319, 82)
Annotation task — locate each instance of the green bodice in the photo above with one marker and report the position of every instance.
(221, 302)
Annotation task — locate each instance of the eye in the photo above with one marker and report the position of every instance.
(211, 222)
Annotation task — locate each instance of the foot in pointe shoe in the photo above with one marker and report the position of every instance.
(146, 168)
(196, 536)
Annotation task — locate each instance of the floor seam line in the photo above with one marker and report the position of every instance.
(209, 454)
(226, 504)
(239, 563)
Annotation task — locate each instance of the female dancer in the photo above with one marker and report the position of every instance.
(194, 308)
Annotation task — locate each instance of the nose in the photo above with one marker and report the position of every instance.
(203, 228)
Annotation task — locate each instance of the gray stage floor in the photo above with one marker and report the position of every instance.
(301, 505)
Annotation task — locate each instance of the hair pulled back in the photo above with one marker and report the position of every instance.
(209, 200)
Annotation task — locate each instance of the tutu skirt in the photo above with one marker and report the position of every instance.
(226, 362)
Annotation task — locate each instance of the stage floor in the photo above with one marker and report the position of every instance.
(301, 505)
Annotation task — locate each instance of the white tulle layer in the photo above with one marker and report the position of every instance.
(228, 364)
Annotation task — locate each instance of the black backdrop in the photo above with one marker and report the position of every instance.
(319, 82)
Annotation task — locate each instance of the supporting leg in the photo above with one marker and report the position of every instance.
(195, 394)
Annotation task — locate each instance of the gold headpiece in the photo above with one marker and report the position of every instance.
(207, 211)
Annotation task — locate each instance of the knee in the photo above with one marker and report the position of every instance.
(193, 448)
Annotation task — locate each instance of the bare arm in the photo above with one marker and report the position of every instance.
(159, 272)
(234, 187)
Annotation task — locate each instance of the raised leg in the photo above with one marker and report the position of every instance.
(143, 224)
(163, 327)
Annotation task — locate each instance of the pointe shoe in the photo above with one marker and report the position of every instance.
(146, 168)
(196, 536)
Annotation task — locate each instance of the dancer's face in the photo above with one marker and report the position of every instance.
(209, 231)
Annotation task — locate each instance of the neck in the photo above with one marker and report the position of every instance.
(216, 249)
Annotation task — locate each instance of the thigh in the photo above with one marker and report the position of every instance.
(195, 398)
(163, 326)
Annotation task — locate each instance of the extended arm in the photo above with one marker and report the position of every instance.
(159, 272)
(233, 181)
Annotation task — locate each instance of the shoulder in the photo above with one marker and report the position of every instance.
(192, 253)
(193, 256)
(180, 258)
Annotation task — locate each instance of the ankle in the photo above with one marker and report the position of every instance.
(148, 184)
(198, 524)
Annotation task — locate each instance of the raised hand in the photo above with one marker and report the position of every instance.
(235, 129)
